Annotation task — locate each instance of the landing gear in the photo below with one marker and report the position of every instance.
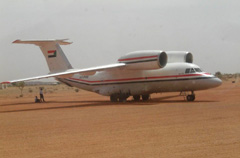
(113, 98)
(189, 97)
(118, 97)
(145, 97)
(122, 98)
(136, 97)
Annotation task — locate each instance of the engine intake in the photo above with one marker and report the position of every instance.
(179, 56)
(145, 60)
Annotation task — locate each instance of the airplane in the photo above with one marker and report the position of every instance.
(137, 74)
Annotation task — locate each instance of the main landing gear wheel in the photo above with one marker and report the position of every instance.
(136, 97)
(145, 97)
(122, 98)
(117, 97)
(113, 98)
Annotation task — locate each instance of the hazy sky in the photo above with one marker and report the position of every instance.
(104, 30)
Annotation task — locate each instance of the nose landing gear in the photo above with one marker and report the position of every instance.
(189, 97)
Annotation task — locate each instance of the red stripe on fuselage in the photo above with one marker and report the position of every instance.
(207, 73)
(51, 51)
(139, 78)
(145, 57)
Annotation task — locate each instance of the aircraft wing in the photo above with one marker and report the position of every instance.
(70, 72)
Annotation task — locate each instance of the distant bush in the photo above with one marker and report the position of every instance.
(30, 90)
(227, 76)
(76, 90)
(50, 91)
(218, 74)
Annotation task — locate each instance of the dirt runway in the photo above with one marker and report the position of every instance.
(84, 124)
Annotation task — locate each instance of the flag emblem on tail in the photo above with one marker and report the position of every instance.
(52, 53)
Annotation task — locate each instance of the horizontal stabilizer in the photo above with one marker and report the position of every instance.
(54, 55)
(43, 42)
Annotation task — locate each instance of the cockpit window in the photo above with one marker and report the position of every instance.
(187, 71)
(192, 70)
(198, 70)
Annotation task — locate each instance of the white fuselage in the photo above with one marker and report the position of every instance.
(136, 74)
(171, 78)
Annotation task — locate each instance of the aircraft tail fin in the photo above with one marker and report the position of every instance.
(56, 59)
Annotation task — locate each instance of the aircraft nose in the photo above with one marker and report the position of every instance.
(217, 82)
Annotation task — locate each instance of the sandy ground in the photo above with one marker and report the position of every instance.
(84, 124)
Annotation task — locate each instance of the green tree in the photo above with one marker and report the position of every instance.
(218, 74)
(20, 85)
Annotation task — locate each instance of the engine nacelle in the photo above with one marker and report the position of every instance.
(145, 60)
(179, 56)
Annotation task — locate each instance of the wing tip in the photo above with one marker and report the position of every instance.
(16, 41)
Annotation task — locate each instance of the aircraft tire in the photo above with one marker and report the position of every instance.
(190, 97)
(113, 98)
(122, 98)
(136, 97)
(145, 97)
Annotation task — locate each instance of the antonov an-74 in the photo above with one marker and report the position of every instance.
(136, 74)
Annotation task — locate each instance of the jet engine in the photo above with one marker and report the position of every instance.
(144, 60)
(179, 56)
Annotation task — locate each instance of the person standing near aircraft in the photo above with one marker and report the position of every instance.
(41, 95)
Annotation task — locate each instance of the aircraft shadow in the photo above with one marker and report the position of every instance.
(27, 103)
(82, 104)
(90, 104)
